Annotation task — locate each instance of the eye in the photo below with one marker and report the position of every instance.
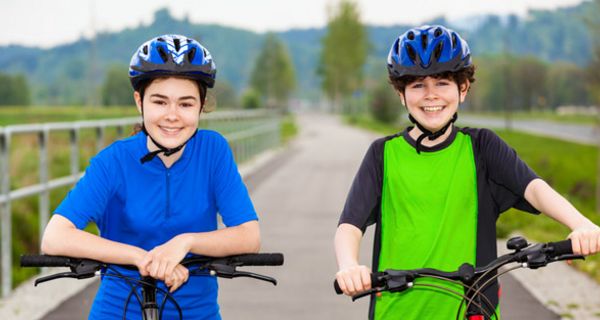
(416, 85)
(158, 102)
(186, 105)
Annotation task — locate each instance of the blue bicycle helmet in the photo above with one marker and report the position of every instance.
(174, 55)
(428, 50)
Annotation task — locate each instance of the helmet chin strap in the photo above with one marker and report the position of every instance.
(427, 133)
(167, 152)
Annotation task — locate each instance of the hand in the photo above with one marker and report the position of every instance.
(354, 279)
(586, 239)
(179, 276)
(160, 262)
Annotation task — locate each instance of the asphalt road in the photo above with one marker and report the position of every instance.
(299, 196)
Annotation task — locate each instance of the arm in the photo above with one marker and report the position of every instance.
(585, 234)
(61, 237)
(162, 261)
(352, 277)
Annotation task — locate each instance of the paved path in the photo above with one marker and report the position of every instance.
(581, 133)
(299, 196)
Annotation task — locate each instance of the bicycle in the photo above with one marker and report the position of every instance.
(473, 280)
(225, 267)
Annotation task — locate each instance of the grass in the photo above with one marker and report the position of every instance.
(39, 114)
(570, 168)
(289, 129)
(542, 115)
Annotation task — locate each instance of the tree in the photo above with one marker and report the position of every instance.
(273, 76)
(116, 89)
(344, 53)
(14, 90)
(251, 99)
(225, 95)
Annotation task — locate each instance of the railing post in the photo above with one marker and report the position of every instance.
(44, 198)
(74, 139)
(100, 138)
(5, 217)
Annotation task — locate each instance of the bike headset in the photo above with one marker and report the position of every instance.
(171, 55)
(426, 51)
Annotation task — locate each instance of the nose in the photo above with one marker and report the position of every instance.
(430, 92)
(171, 113)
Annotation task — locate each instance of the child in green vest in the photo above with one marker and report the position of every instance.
(435, 190)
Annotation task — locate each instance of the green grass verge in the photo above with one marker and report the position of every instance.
(289, 128)
(40, 114)
(570, 168)
(542, 115)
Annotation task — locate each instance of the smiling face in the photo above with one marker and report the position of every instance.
(171, 109)
(433, 101)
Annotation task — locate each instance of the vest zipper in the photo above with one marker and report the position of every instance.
(168, 212)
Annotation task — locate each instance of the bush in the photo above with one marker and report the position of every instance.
(385, 105)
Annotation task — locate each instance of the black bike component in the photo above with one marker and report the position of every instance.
(475, 280)
(516, 243)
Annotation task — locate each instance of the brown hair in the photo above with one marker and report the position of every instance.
(459, 77)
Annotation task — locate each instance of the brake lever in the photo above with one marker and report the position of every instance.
(568, 257)
(63, 275)
(229, 272)
(366, 293)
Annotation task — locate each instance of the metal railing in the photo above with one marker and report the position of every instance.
(248, 133)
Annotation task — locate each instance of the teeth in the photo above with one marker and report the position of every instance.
(433, 109)
(170, 129)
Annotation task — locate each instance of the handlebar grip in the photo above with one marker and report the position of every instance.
(259, 259)
(42, 260)
(374, 282)
(562, 247)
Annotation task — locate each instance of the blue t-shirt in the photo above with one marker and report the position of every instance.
(146, 205)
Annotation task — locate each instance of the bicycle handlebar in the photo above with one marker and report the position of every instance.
(531, 256)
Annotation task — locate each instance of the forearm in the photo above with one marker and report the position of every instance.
(61, 237)
(552, 204)
(241, 239)
(347, 245)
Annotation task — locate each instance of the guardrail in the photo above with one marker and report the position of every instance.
(248, 133)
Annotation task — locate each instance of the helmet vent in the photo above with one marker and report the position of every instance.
(145, 49)
(160, 39)
(411, 36)
(163, 55)
(437, 52)
(424, 41)
(191, 54)
(437, 32)
(411, 53)
(454, 40)
(176, 43)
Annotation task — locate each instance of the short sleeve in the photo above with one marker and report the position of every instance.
(231, 195)
(364, 198)
(87, 201)
(508, 175)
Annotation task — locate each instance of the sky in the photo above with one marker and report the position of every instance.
(44, 23)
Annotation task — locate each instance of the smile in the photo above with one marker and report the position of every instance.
(170, 131)
(432, 108)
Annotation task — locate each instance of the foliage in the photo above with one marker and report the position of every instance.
(225, 95)
(344, 52)
(273, 76)
(385, 104)
(117, 90)
(14, 90)
(251, 99)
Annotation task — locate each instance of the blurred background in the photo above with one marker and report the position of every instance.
(66, 61)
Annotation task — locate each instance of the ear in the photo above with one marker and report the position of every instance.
(464, 89)
(401, 96)
(138, 101)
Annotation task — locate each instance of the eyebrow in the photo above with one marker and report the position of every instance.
(157, 95)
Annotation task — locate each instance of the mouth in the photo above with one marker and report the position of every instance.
(170, 131)
(432, 109)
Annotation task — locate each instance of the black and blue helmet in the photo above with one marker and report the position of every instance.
(172, 55)
(428, 50)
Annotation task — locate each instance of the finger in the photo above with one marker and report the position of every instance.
(576, 246)
(593, 244)
(366, 278)
(162, 270)
(357, 280)
(585, 245)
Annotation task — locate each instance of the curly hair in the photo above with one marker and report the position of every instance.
(459, 77)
